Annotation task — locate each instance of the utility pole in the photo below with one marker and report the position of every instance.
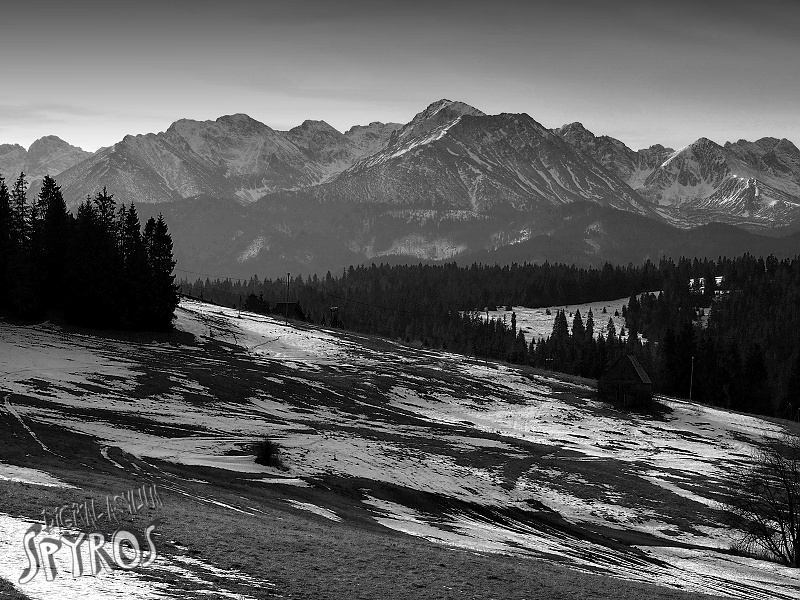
(287, 298)
(486, 356)
(691, 380)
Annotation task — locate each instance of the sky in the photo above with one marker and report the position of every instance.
(644, 72)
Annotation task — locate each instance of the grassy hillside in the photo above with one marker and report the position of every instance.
(408, 472)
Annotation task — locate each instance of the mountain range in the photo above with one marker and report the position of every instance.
(48, 155)
(242, 197)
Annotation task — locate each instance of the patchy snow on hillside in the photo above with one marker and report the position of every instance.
(30, 476)
(536, 324)
(109, 584)
(496, 446)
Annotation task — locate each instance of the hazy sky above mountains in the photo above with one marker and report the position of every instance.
(644, 72)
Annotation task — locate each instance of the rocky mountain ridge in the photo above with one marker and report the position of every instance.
(451, 182)
(754, 184)
(49, 155)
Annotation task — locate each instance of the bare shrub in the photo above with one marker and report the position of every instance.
(268, 453)
(764, 502)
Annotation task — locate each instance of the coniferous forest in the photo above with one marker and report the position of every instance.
(735, 345)
(97, 268)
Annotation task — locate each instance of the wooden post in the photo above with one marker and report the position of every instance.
(486, 356)
(287, 298)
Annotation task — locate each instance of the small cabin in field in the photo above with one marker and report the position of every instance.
(626, 384)
(290, 309)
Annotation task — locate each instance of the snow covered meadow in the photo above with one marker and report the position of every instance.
(480, 457)
(537, 323)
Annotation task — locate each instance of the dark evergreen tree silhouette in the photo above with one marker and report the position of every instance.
(5, 242)
(85, 246)
(20, 214)
(52, 243)
(136, 280)
(158, 243)
(22, 284)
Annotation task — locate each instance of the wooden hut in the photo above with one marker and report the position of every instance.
(626, 384)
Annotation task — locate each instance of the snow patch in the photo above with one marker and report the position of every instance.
(317, 510)
(30, 476)
(256, 246)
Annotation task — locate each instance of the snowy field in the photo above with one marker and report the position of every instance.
(536, 324)
(488, 458)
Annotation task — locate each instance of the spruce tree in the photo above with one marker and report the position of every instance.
(578, 330)
(20, 213)
(84, 246)
(107, 268)
(611, 331)
(105, 205)
(158, 243)
(22, 287)
(5, 241)
(52, 242)
(136, 280)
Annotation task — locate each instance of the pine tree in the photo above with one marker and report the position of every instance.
(84, 246)
(105, 205)
(22, 286)
(20, 214)
(632, 345)
(668, 351)
(5, 241)
(590, 325)
(578, 330)
(560, 327)
(52, 242)
(136, 280)
(158, 243)
(754, 375)
(94, 270)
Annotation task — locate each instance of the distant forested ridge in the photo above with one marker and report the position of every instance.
(741, 324)
(746, 354)
(98, 268)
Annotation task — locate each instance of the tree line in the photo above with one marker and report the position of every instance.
(98, 268)
(745, 341)
(738, 346)
(435, 305)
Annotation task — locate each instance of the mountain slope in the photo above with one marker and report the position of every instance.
(451, 182)
(450, 158)
(12, 160)
(301, 234)
(144, 169)
(234, 156)
(254, 158)
(631, 166)
(434, 116)
(369, 139)
(397, 461)
(757, 183)
(49, 155)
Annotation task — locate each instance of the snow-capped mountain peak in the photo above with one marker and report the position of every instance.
(449, 155)
(437, 114)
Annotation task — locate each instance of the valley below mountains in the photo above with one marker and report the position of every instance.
(451, 184)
